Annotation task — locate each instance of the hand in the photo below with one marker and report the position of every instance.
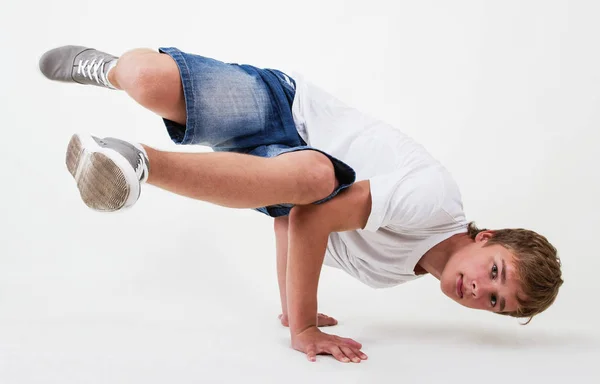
(313, 342)
(322, 320)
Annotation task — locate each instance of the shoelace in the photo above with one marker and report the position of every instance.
(93, 70)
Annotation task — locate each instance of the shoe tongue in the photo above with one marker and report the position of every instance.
(83, 62)
(107, 67)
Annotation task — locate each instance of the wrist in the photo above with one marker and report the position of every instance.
(296, 330)
(301, 319)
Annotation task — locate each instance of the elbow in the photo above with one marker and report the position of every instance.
(307, 216)
(299, 214)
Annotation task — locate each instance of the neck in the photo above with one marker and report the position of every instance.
(434, 261)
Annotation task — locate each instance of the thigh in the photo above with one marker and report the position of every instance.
(299, 172)
(304, 176)
(230, 106)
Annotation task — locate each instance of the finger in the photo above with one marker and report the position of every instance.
(338, 354)
(360, 353)
(351, 343)
(350, 354)
(311, 353)
(280, 316)
(326, 321)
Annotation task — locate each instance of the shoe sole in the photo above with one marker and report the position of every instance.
(105, 179)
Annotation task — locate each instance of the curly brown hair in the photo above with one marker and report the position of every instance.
(537, 264)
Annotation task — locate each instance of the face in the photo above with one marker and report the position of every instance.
(482, 277)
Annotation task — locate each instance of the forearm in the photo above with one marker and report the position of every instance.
(307, 241)
(309, 229)
(281, 249)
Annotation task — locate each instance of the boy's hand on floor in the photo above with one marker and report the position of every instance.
(313, 342)
(322, 320)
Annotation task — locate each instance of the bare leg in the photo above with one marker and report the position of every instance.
(229, 179)
(243, 181)
(152, 79)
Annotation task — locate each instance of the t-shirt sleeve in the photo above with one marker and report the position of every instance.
(405, 201)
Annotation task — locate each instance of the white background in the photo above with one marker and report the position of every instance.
(506, 94)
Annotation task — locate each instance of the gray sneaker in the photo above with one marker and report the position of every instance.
(76, 64)
(109, 172)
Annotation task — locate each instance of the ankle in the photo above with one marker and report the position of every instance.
(127, 67)
(151, 157)
(113, 78)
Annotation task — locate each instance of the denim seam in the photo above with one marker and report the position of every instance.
(190, 128)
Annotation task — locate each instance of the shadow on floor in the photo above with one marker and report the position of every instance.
(468, 335)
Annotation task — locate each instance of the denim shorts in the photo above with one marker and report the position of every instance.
(244, 109)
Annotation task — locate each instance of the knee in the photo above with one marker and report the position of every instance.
(144, 74)
(319, 176)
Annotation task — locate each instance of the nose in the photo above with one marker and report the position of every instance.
(474, 289)
(477, 289)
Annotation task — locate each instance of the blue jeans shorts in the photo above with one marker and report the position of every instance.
(244, 109)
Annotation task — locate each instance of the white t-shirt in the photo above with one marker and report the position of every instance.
(415, 202)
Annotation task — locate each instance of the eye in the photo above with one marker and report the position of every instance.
(494, 271)
(493, 301)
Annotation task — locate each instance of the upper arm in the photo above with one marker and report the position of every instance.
(408, 200)
(347, 211)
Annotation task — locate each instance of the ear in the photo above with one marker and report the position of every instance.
(483, 236)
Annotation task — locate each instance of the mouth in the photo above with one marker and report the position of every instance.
(459, 286)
